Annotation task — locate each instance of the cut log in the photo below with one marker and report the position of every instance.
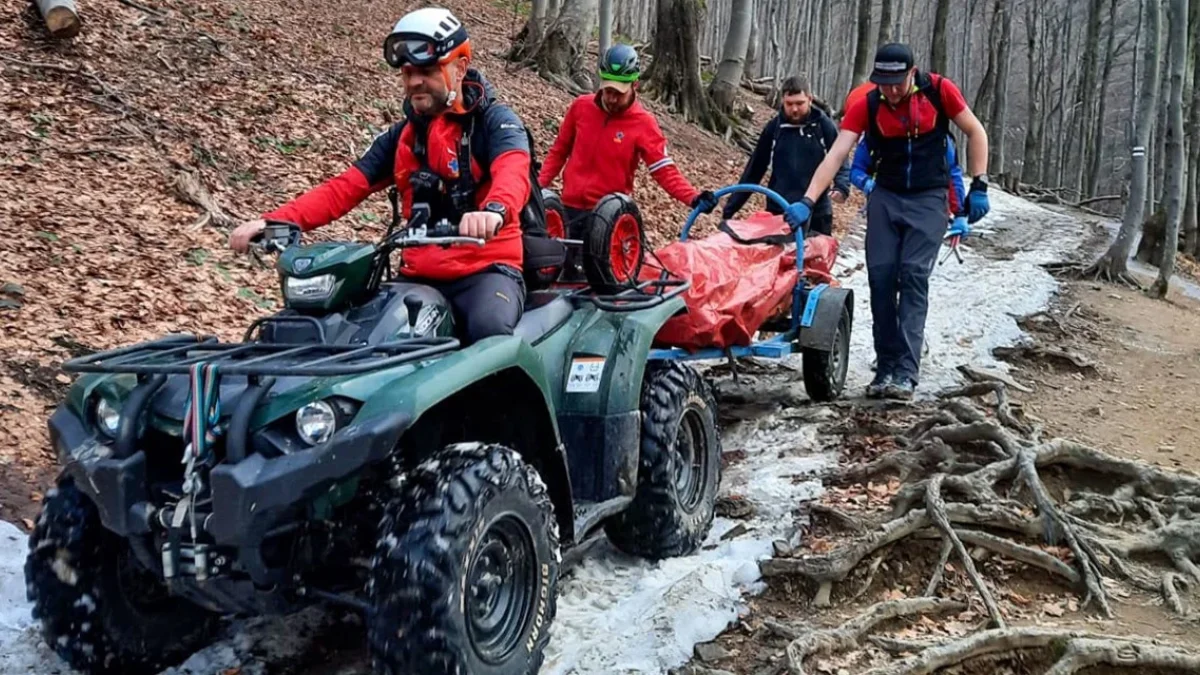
(61, 18)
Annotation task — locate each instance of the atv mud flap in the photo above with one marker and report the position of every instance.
(603, 453)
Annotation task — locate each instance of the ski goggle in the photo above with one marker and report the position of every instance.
(401, 50)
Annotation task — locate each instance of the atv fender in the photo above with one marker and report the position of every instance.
(600, 418)
(821, 310)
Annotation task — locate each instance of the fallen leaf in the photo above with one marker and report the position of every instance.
(28, 524)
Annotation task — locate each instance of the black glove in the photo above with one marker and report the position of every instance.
(705, 201)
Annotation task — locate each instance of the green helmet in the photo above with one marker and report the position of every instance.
(620, 64)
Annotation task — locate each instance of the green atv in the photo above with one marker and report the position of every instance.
(350, 451)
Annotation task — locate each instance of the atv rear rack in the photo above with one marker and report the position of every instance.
(176, 354)
(643, 296)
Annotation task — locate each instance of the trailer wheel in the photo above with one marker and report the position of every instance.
(825, 371)
(556, 214)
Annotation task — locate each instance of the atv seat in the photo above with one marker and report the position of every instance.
(544, 311)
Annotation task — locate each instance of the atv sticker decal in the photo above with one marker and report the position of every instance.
(584, 375)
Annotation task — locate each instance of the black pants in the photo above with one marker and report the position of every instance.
(486, 303)
(904, 233)
(821, 223)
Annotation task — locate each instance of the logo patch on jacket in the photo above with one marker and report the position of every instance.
(620, 137)
(453, 166)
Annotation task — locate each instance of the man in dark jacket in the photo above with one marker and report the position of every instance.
(793, 145)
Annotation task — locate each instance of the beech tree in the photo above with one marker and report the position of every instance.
(1114, 264)
(728, 80)
(1175, 156)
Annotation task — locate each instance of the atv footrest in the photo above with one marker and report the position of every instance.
(176, 354)
(775, 348)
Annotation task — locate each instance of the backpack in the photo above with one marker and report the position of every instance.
(543, 256)
(925, 86)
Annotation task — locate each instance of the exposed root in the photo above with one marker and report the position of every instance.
(1050, 353)
(975, 480)
(849, 633)
(1079, 650)
(937, 510)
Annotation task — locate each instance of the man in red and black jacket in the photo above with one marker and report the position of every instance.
(602, 140)
(906, 119)
(458, 150)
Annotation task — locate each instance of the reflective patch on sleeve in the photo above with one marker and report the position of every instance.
(661, 164)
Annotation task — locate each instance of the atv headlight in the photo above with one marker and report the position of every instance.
(316, 422)
(311, 288)
(108, 417)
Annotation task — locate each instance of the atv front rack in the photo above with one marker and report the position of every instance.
(176, 354)
(643, 296)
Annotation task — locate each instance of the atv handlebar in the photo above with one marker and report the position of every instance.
(276, 236)
(729, 189)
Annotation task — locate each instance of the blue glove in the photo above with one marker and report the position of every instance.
(868, 186)
(977, 201)
(959, 228)
(798, 214)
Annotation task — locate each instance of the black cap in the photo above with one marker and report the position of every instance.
(892, 63)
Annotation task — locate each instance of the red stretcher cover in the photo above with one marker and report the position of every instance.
(735, 287)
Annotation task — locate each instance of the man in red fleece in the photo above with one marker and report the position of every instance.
(603, 138)
(458, 150)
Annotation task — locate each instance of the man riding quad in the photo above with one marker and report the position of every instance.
(603, 138)
(460, 151)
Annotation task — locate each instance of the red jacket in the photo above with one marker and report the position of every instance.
(601, 153)
(390, 159)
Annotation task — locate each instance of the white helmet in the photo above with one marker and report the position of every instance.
(425, 37)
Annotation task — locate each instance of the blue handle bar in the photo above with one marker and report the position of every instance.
(741, 187)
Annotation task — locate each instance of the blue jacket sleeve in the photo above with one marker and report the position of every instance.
(860, 165)
(755, 169)
(956, 174)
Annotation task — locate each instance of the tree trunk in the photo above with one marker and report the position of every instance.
(987, 88)
(560, 56)
(999, 114)
(1191, 243)
(606, 25)
(674, 74)
(1097, 154)
(1115, 262)
(885, 23)
(62, 21)
(1030, 167)
(1086, 94)
(754, 48)
(938, 60)
(725, 85)
(1175, 155)
(862, 46)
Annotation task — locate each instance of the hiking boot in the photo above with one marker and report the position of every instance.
(879, 385)
(902, 388)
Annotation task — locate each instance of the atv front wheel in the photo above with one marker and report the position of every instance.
(825, 371)
(465, 573)
(101, 611)
(679, 470)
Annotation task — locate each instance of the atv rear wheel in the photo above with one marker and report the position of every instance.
(465, 573)
(101, 611)
(679, 469)
(825, 371)
(615, 247)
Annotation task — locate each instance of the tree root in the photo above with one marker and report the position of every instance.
(1035, 352)
(937, 509)
(1079, 650)
(849, 633)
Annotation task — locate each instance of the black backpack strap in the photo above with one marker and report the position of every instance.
(774, 239)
